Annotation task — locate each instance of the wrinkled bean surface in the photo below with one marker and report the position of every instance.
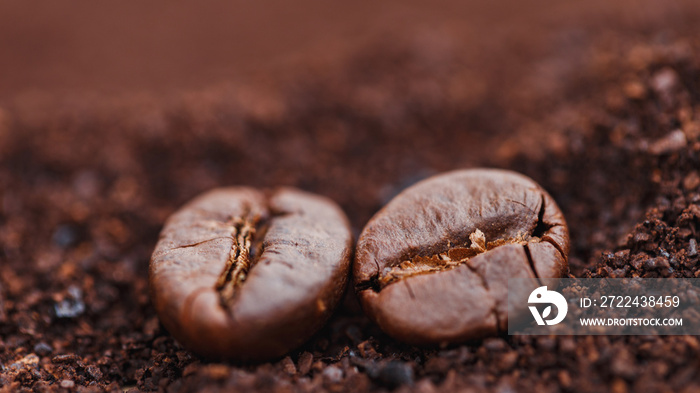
(432, 266)
(249, 275)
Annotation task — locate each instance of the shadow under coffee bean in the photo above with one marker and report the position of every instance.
(248, 275)
(432, 266)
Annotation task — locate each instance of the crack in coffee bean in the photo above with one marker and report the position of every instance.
(432, 266)
(449, 259)
(241, 258)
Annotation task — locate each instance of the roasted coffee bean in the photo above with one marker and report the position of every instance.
(432, 266)
(248, 275)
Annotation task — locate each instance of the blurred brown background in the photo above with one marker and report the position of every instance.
(115, 46)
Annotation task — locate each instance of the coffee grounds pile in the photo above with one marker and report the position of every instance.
(611, 128)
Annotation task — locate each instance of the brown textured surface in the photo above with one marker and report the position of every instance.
(290, 287)
(602, 114)
(437, 215)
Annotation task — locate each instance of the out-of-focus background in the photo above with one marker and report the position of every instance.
(115, 46)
